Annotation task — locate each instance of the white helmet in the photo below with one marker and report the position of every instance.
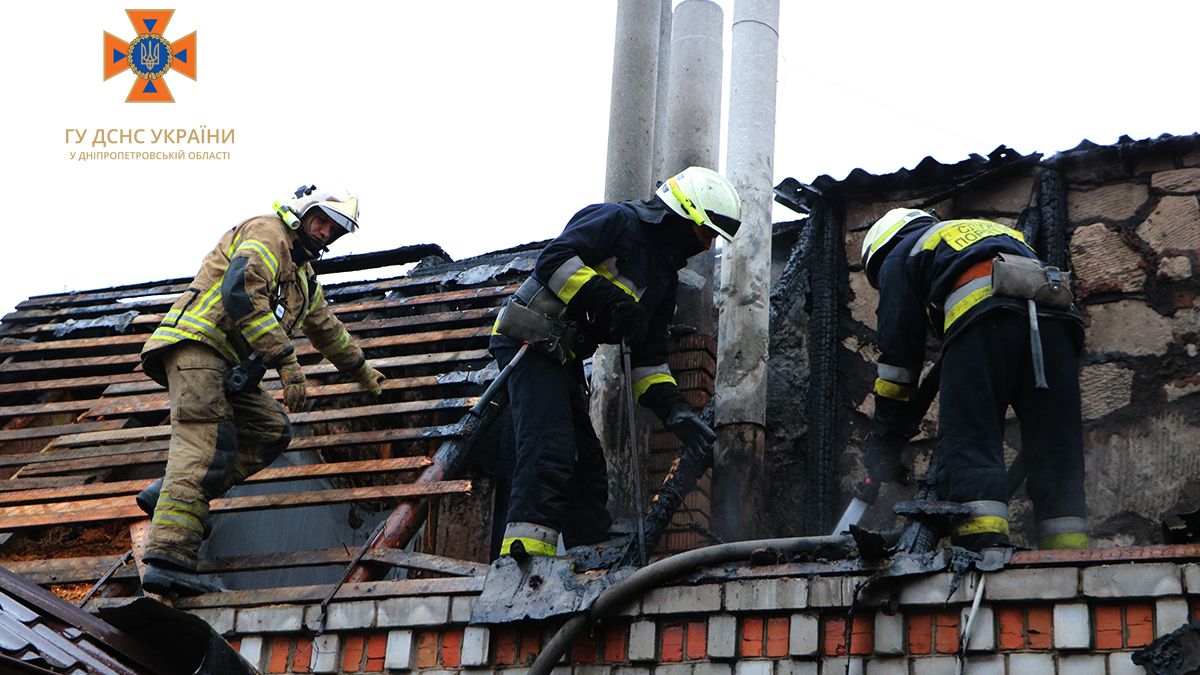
(705, 197)
(885, 234)
(340, 206)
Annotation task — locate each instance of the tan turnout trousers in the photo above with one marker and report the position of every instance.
(217, 440)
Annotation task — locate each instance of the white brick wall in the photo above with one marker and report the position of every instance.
(642, 644)
(1132, 580)
(1169, 615)
(889, 634)
(934, 665)
(1020, 664)
(722, 636)
(1072, 626)
(1071, 593)
(1082, 664)
(1033, 584)
(399, 654)
(766, 594)
(682, 599)
(326, 653)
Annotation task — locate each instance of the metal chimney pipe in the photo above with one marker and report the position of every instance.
(658, 166)
(632, 104)
(694, 133)
(745, 291)
(631, 125)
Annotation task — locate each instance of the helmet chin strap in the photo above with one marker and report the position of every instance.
(306, 247)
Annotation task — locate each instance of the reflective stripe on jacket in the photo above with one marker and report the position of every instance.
(626, 244)
(938, 278)
(250, 295)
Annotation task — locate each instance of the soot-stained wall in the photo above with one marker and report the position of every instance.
(1131, 236)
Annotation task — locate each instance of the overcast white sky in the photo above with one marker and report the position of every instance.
(479, 124)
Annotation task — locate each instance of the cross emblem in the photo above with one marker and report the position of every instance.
(150, 56)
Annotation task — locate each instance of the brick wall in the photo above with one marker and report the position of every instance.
(1045, 614)
(693, 361)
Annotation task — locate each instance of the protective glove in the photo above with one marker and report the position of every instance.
(883, 462)
(615, 315)
(627, 321)
(370, 378)
(295, 392)
(697, 436)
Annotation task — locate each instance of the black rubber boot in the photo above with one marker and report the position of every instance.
(166, 580)
(978, 542)
(147, 499)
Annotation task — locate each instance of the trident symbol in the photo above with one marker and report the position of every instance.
(150, 60)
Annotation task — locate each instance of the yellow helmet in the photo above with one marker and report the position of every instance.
(885, 234)
(704, 197)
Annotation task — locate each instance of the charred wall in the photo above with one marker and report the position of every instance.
(1126, 220)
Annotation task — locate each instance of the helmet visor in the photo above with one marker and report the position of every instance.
(341, 220)
(721, 224)
(724, 225)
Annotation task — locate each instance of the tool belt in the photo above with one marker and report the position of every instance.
(1031, 279)
(535, 316)
(1036, 283)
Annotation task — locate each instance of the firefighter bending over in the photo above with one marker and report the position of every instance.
(610, 277)
(1010, 336)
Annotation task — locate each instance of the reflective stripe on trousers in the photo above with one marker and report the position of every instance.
(988, 517)
(216, 441)
(537, 539)
(1067, 532)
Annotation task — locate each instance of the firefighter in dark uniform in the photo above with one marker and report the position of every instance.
(1010, 336)
(610, 277)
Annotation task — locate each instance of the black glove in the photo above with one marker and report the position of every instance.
(689, 428)
(883, 462)
(614, 314)
(627, 321)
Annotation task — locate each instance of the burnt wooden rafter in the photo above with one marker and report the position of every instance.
(67, 453)
(13, 518)
(90, 568)
(289, 473)
(75, 405)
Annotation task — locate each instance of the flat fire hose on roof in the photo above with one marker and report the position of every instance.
(547, 587)
(655, 574)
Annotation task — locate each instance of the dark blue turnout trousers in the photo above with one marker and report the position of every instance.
(560, 480)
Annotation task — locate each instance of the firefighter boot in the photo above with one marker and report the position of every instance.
(522, 540)
(148, 497)
(166, 579)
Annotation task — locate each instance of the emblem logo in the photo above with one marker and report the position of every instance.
(150, 56)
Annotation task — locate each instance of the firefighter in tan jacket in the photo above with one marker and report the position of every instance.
(253, 291)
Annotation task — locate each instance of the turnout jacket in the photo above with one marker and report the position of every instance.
(940, 277)
(627, 245)
(251, 295)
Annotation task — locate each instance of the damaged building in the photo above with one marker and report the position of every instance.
(84, 430)
(1123, 218)
(372, 544)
